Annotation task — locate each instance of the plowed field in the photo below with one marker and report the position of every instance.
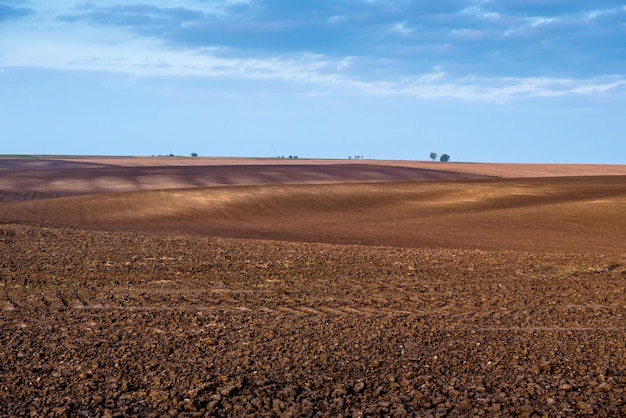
(310, 290)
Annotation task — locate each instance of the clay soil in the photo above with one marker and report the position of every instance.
(311, 289)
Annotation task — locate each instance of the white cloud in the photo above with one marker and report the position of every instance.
(403, 28)
(83, 47)
(148, 58)
(481, 13)
(336, 19)
(538, 21)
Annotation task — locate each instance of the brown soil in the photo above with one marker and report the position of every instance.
(485, 169)
(36, 179)
(463, 297)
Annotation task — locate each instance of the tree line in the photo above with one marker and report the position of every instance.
(444, 158)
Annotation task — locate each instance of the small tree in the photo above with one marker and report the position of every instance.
(444, 158)
(194, 154)
(433, 156)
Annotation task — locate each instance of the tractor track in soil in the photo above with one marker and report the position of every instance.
(468, 298)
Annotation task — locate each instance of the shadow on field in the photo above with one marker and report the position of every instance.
(38, 179)
(558, 214)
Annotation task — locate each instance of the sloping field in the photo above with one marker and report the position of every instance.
(34, 179)
(301, 289)
(485, 169)
(382, 203)
(558, 215)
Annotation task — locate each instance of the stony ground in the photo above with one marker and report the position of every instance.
(119, 324)
(119, 298)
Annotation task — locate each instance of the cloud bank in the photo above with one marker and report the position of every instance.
(461, 49)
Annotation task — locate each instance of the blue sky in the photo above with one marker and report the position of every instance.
(482, 80)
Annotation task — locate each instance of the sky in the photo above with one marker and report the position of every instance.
(528, 81)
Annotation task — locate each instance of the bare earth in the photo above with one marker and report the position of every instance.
(226, 287)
